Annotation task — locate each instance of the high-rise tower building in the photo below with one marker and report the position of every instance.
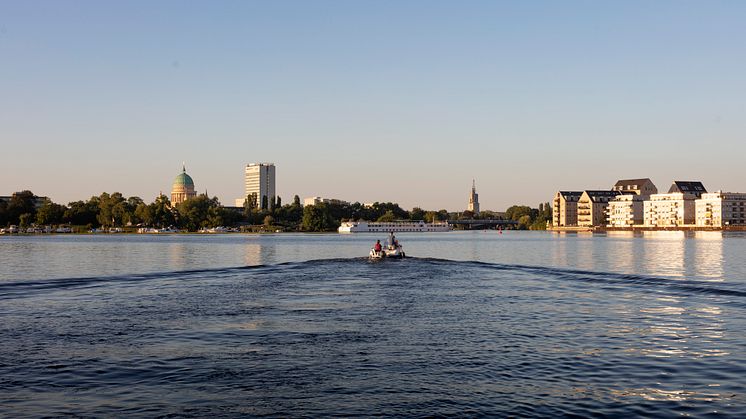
(259, 179)
(474, 198)
(183, 187)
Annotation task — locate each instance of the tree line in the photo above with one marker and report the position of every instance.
(115, 210)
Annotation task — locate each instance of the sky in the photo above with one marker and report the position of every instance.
(402, 101)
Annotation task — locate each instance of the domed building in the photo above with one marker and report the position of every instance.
(183, 188)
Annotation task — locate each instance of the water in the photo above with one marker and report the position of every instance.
(475, 323)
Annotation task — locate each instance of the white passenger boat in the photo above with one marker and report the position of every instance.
(389, 226)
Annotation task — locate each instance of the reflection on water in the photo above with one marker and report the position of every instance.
(708, 255)
(664, 253)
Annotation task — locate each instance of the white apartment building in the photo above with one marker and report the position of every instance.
(259, 179)
(721, 209)
(626, 210)
(675, 208)
(669, 210)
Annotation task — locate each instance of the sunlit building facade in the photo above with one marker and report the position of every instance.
(721, 209)
(565, 208)
(259, 179)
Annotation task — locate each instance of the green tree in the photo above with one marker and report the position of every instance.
(200, 211)
(50, 213)
(163, 214)
(82, 213)
(24, 220)
(145, 214)
(317, 218)
(265, 203)
(268, 221)
(23, 202)
(417, 214)
(524, 221)
(387, 217)
(296, 200)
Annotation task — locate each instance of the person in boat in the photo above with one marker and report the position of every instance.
(392, 241)
(377, 246)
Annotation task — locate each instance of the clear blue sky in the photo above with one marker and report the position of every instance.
(404, 101)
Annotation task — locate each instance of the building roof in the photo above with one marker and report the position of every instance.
(625, 183)
(568, 194)
(692, 187)
(183, 179)
(595, 195)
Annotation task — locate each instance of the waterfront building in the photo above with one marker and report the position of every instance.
(315, 200)
(644, 187)
(676, 208)
(183, 188)
(669, 210)
(473, 199)
(565, 208)
(720, 209)
(626, 210)
(592, 206)
(259, 179)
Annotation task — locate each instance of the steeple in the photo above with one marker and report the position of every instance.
(474, 198)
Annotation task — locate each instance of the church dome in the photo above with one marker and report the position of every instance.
(183, 188)
(183, 179)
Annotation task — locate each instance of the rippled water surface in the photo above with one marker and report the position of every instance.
(521, 324)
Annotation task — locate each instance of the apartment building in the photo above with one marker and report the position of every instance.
(721, 209)
(675, 208)
(565, 208)
(626, 210)
(592, 207)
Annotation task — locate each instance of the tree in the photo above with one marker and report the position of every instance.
(296, 200)
(317, 218)
(50, 213)
(265, 203)
(145, 213)
(268, 221)
(200, 211)
(387, 217)
(524, 221)
(82, 213)
(417, 214)
(23, 202)
(24, 220)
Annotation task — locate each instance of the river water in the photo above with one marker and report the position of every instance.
(471, 323)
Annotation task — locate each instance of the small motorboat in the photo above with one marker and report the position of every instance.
(392, 249)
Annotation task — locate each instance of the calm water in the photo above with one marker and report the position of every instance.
(475, 323)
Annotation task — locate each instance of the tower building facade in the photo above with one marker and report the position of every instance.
(183, 187)
(259, 179)
(473, 199)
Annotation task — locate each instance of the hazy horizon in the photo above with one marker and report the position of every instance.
(371, 101)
